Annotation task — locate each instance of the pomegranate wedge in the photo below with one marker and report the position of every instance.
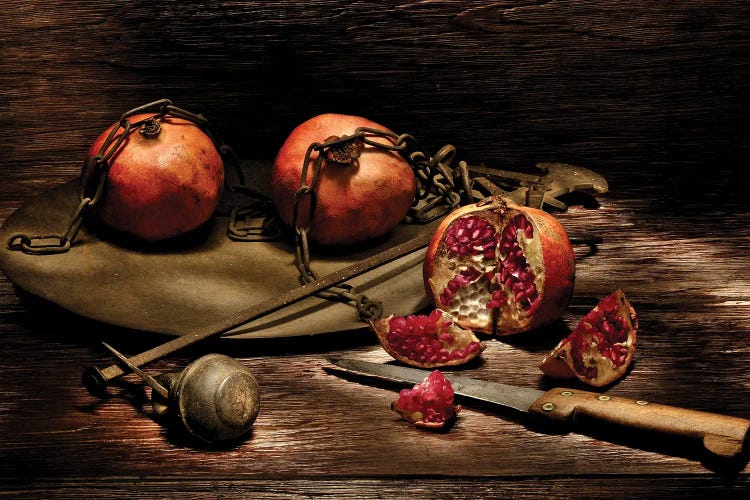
(429, 404)
(600, 349)
(427, 341)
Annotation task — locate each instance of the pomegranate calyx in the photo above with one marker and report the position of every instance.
(428, 404)
(150, 127)
(345, 152)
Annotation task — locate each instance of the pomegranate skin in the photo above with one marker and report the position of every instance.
(162, 186)
(559, 265)
(552, 259)
(355, 202)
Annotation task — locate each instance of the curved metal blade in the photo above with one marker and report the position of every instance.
(510, 396)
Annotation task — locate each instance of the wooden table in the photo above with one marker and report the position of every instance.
(685, 269)
(653, 98)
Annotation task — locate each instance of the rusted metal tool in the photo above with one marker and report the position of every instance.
(535, 191)
(214, 399)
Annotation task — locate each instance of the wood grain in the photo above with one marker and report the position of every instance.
(651, 94)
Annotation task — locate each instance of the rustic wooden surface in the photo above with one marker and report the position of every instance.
(651, 94)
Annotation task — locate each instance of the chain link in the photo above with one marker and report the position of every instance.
(437, 193)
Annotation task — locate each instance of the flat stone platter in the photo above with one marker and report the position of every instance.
(176, 287)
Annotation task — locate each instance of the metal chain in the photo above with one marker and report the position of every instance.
(94, 177)
(437, 193)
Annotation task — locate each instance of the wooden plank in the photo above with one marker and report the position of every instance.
(509, 83)
(376, 488)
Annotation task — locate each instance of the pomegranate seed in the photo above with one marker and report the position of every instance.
(433, 399)
(469, 236)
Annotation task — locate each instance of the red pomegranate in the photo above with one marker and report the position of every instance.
(600, 349)
(164, 180)
(363, 192)
(427, 341)
(500, 268)
(429, 404)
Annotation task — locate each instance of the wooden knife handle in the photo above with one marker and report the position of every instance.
(720, 434)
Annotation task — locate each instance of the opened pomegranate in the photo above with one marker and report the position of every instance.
(164, 180)
(429, 404)
(427, 341)
(600, 349)
(500, 268)
(363, 191)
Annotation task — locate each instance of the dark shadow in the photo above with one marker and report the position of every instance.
(197, 238)
(580, 199)
(541, 339)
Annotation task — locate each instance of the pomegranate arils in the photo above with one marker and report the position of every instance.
(417, 338)
(429, 404)
(471, 236)
(601, 347)
(510, 280)
(426, 340)
(463, 278)
(515, 274)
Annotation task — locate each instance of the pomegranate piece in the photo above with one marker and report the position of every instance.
(363, 192)
(163, 181)
(427, 341)
(500, 268)
(600, 349)
(429, 404)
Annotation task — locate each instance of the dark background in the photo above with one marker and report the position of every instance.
(605, 84)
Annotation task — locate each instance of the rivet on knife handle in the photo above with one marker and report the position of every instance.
(720, 434)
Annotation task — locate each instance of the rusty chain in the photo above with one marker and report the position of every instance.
(438, 191)
(94, 176)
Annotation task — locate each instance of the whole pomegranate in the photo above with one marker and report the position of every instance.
(363, 191)
(428, 404)
(500, 268)
(600, 349)
(164, 180)
(427, 341)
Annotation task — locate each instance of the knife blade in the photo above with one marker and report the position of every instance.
(510, 396)
(721, 435)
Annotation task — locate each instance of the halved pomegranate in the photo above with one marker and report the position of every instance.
(429, 404)
(500, 268)
(600, 349)
(427, 341)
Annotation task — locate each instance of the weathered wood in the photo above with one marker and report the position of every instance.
(508, 82)
(651, 94)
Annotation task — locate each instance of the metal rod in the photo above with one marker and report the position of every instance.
(151, 381)
(96, 380)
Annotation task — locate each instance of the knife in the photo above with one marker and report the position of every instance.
(720, 434)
